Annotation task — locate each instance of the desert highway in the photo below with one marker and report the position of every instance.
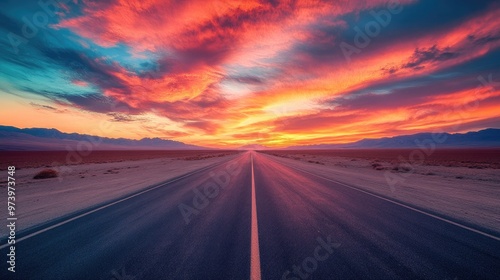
(253, 217)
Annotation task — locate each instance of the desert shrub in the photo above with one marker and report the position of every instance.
(402, 169)
(46, 173)
(377, 166)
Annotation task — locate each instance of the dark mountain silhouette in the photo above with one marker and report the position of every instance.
(13, 138)
(484, 138)
(253, 147)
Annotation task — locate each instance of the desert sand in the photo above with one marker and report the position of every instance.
(85, 185)
(461, 192)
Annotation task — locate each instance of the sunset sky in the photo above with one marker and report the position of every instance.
(231, 73)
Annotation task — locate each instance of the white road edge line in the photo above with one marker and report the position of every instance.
(403, 205)
(100, 208)
(255, 273)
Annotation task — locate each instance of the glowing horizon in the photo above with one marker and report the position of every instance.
(273, 73)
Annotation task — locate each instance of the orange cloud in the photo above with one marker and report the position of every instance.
(272, 72)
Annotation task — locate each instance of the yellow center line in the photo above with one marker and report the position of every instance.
(255, 273)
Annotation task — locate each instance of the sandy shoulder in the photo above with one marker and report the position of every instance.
(82, 186)
(466, 194)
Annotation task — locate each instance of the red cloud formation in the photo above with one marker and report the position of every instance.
(226, 68)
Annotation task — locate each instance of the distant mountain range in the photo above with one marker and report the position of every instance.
(40, 139)
(484, 138)
(253, 147)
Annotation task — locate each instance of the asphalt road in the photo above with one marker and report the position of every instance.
(252, 217)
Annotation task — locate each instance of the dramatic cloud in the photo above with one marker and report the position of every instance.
(230, 73)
